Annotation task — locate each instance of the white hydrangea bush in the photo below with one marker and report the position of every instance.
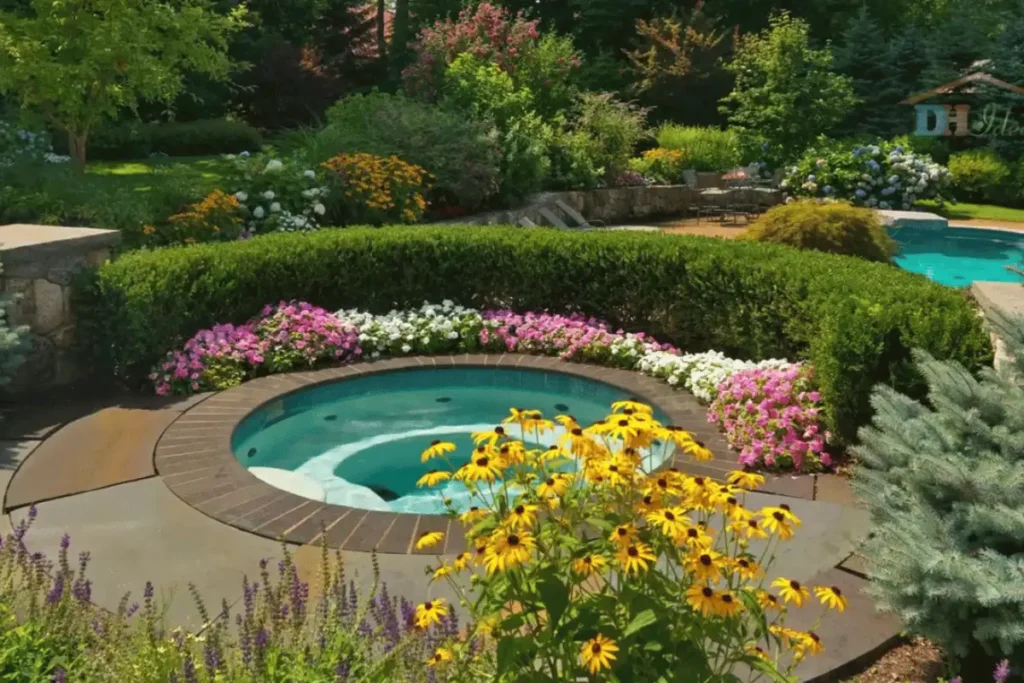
(19, 144)
(700, 373)
(432, 328)
(279, 195)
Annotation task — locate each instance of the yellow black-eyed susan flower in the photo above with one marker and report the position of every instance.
(441, 572)
(746, 480)
(433, 477)
(635, 557)
(672, 521)
(831, 597)
(699, 451)
(588, 564)
(440, 656)
(768, 600)
(746, 568)
(461, 561)
(429, 539)
(705, 565)
(484, 466)
(554, 485)
(702, 598)
(490, 437)
(791, 591)
(598, 653)
(508, 548)
(522, 516)
(430, 612)
(473, 515)
(623, 534)
(727, 604)
(437, 449)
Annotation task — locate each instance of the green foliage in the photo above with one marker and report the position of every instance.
(615, 128)
(573, 165)
(461, 153)
(137, 140)
(786, 93)
(14, 342)
(980, 175)
(855, 321)
(706, 148)
(942, 479)
(862, 54)
(833, 227)
(661, 166)
(488, 93)
(52, 195)
(124, 50)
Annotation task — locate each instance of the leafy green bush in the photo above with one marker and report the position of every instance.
(979, 175)
(14, 341)
(833, 227)
(705, 148)
(942, 480)
(486, 92)
(855, 321)
(137, 140)
(462, 154)
(573, 166)
(614, 127)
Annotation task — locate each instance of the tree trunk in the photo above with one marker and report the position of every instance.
(76, 148)
(382, 39)
(400, 32)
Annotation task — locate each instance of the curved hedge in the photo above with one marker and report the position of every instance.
(855, 321)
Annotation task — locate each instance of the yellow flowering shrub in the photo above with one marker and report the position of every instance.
(660, 165)
(375, 189)
(587, 560)
(216, 217)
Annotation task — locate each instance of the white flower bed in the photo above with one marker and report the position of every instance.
(428, 329)
(437, 328)
(701, 373)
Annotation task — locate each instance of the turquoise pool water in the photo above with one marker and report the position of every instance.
(358, 442)
(959, 256)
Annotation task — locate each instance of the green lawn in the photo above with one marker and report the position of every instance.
(143, 175)
(986, 212)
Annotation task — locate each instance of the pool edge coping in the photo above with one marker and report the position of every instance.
(194, 457)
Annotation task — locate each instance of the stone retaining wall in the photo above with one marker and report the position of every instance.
(618, 205)
(39, 263)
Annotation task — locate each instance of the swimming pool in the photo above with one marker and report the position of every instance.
(358, 442)
(959, 256)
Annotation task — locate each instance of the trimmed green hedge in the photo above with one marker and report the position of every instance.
(855, 321)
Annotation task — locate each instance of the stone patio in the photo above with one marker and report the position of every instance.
(174, 506)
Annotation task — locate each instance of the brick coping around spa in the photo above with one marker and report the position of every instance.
(195, 459)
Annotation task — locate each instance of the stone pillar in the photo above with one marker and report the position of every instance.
(39, 264)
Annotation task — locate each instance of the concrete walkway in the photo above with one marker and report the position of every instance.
(83, 471)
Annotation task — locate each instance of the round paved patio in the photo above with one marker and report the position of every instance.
(151, 488)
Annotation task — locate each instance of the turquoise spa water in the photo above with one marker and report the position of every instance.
(360, 440)
(959, 256)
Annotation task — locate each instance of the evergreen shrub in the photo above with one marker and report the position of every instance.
(833, 227)
(855, 321)
(944, 482)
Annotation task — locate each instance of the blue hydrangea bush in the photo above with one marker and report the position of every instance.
(887, 175)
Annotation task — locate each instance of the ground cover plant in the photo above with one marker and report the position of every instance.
(854, 321)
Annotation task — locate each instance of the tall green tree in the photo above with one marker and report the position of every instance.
(857, 56)
(79, 62)
(786, 93)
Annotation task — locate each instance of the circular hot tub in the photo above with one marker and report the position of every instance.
(357, 442)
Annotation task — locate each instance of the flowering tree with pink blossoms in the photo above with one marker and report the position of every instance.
(771, 416)
(490, 33)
